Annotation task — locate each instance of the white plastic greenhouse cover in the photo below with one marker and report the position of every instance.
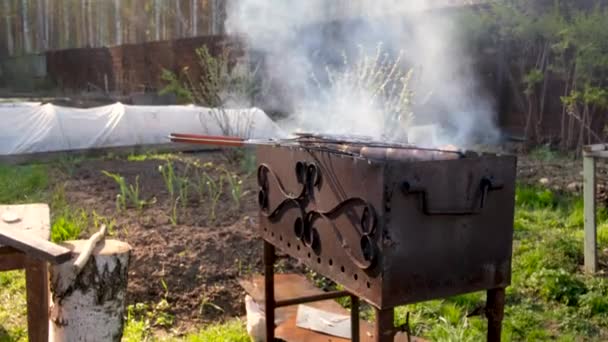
(30, 128)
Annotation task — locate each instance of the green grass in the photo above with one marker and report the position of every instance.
(149, 156)
(550, 298)
(140, 325)
(20, 184)
(12, 306)
(233, 331)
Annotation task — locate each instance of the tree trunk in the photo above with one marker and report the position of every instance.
(9, 29)
(194, 9)
(90, 306)
(40, 19)
(49, 16)
(90, 21)
(27, 44)
(216, 17)
(178, 19)
(157, 11)
(65, 40)
(118, 19)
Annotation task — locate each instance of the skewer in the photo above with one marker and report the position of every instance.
(302, 140)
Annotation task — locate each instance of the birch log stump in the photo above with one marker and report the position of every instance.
(89, 304)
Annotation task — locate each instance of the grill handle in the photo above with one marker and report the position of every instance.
(486, 185)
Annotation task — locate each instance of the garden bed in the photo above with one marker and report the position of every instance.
(193, 263)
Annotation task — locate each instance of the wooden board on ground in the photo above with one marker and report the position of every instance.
(289, 286)
(26, 228)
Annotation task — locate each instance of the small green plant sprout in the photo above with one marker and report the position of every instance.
(174, 217)
(236, 188)
(168, 173)
(129, 193)
(69, 224)
(207, 303)
(183, 186)
(200, 184)
(99, 221)
(160, 314)
(215, 189)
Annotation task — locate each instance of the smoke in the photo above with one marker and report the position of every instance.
(325, 55)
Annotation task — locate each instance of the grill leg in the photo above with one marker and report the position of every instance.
(354, 318)
(495, 307)
(385, 325)
(269, 301)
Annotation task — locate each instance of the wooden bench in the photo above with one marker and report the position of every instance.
(24, 233)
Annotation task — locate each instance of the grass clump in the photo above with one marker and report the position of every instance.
(233, 331)
(12, 306)
(558, 285)
(129, 193)
(536, 198)
(20, 184)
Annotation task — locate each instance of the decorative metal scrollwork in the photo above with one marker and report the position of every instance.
(308, 176)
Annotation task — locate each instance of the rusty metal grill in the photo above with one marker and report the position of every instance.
(393, 225)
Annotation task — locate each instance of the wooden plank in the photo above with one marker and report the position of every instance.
(34, 218)
(596, 154)
(589, 191)
(33, 246)
(595, 148)
(11, 259)
(37, 288)
(288, 286)
(30, 232)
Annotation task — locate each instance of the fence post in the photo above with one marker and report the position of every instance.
(589, 190)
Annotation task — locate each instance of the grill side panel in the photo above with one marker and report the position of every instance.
(343, 206)
(449, 228)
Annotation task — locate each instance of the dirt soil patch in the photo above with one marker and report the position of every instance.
(561, 174)
(199, 259)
